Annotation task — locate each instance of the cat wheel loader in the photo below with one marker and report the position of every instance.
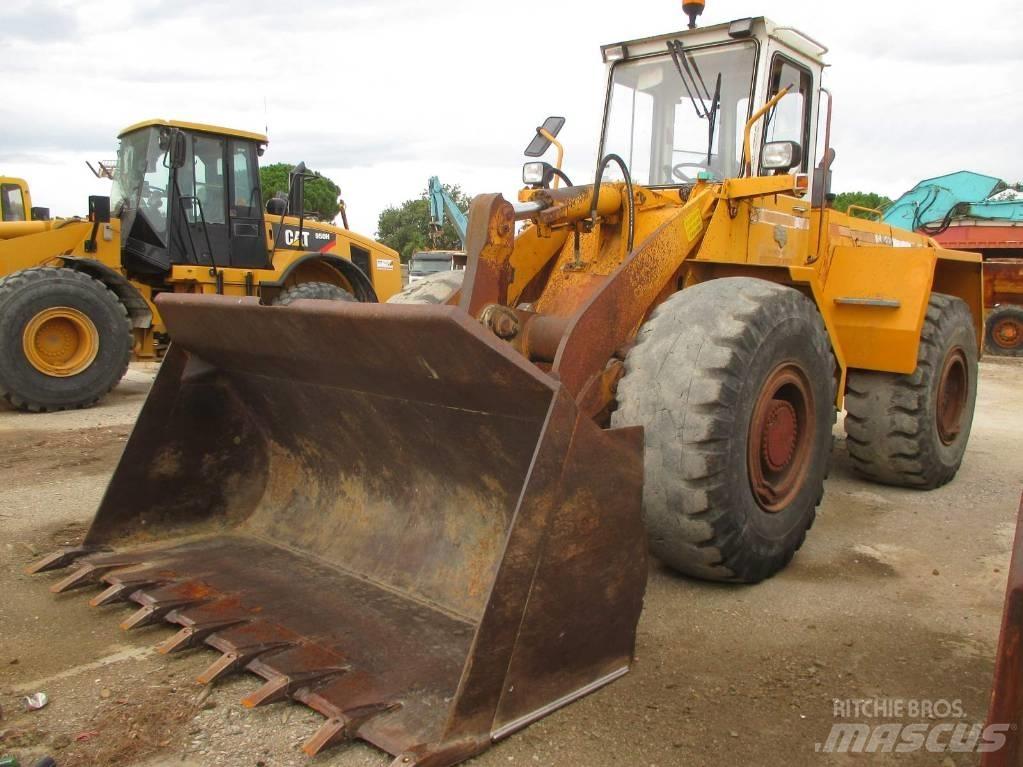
(440, 536)
(77, 296)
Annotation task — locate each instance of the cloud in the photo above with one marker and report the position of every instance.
(40, 23)
(381, 94)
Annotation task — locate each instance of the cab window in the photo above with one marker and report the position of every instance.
(209, 178)
(245, 201)
(790, 118)
(12, 203)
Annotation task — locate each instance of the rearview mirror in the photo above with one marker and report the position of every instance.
(541, 143)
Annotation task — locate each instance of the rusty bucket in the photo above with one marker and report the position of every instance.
(383, 511)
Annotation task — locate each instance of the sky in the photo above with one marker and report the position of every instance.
(381, 94)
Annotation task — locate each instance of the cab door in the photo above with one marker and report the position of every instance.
(245, 212)
(201, 191)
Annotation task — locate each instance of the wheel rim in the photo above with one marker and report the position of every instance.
(60, 341)
(953, 387)
(780, 438)
(1007, 333)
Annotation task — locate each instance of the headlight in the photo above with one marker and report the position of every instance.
(781, 155)
(533, 173)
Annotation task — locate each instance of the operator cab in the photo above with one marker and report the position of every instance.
(677, 104)
(189, 194)
(14, 202)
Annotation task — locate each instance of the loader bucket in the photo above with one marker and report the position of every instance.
(1005, 714)
(383, 511)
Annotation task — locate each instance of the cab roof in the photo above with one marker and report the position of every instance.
(757, 26)
(201, 127)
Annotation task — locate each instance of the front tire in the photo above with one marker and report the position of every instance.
(317, 291)
(433, 289)
(65, 339)
(733, 381)
(911, 430)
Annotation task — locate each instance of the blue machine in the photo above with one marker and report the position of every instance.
(441, 204)
(931, 205)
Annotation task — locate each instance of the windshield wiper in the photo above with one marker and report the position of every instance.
(712, 119)
(692, 80)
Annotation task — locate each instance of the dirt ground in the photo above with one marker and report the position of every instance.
(895, 595)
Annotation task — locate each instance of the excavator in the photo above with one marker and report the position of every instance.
(426, 262)
(441, 536)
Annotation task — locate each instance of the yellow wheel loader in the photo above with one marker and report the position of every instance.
(16, 202)
(440, 535)
(77, 296)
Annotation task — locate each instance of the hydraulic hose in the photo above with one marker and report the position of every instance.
(604, 162)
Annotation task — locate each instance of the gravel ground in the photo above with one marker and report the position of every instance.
(896, 595)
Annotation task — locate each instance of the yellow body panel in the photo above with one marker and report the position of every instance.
(871, 283)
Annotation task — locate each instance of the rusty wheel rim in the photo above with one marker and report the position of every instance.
(953, 387)
(1007, 333)
(781, 437)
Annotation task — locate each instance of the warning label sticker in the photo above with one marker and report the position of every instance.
(693, 223)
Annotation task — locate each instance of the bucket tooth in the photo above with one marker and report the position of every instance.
(290, 670)
(61, 558)
(154, 610)
(341, 728)
(121, 590)
(90, 572)
(194, 634)
(235, 660)
(279, 687)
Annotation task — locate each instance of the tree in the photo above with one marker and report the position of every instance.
(863, 199)
(406, 228)
(321, 194)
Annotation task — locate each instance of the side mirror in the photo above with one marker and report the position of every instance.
(99, 209)
(296, 190)
(40, 214)
(540, 142)
(781, 155)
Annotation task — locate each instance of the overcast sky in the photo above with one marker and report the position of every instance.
(381, 94)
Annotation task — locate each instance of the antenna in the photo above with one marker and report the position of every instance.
(266, 118)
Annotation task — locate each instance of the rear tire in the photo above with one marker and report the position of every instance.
(1003, 331)
(317, 291)
(733, 381)
(435, 289)
(911, 430)
(65, 339)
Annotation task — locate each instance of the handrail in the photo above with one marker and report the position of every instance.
(748, 168)
(865, 209)
(561, 152)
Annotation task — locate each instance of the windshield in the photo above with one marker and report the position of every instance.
(140, 180)
(661, 111)
(421, 265)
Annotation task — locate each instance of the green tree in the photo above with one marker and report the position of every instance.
(321, 194)
(863, 199)
(406, 228)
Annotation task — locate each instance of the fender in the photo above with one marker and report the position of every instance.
(139, 310)
(364, 291)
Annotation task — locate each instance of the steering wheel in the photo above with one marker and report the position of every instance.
(676, 171)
